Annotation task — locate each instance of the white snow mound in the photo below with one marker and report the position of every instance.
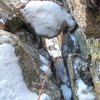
(12, 85)
(46, 17)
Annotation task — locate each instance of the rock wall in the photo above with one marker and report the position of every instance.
(94, 46)
(87, 19)
(29, 62)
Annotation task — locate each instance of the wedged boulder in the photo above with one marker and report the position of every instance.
(29, 62)
(47, 17)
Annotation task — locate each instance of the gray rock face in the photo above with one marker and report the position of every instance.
(62, 79)
(85, 74)
(28, 66)
(29, 62)
(81, 78)
(61, 72)
(70, 45)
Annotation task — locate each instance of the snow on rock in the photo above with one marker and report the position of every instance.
(46, 17)
(23, 1)
(45, 65)
(43, 59)
(53, 47)
(82, 89)
(66, 92)
(73, 37)
(2, 21)
(12, 85)
(46, 69)
(61, 71)
(45, 97)
(62, 77)
(82, 92)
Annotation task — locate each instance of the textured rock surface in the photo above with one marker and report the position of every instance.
(28, 66)
(96, 76)
(78, 84)
(29, 62)
(94, 46)
(86, 19)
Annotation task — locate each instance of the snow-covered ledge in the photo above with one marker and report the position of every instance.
(46, 17)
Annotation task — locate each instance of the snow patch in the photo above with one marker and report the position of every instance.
(82, 89)
(73, 38)
(62, 77)
(12, 85)
(46, 17)
(44, 60)
(2, 21)
(66, 92)
(45, 65)
(61, 71)
(46, 69)
(55, 53)
(45, 97)
(53, 47)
